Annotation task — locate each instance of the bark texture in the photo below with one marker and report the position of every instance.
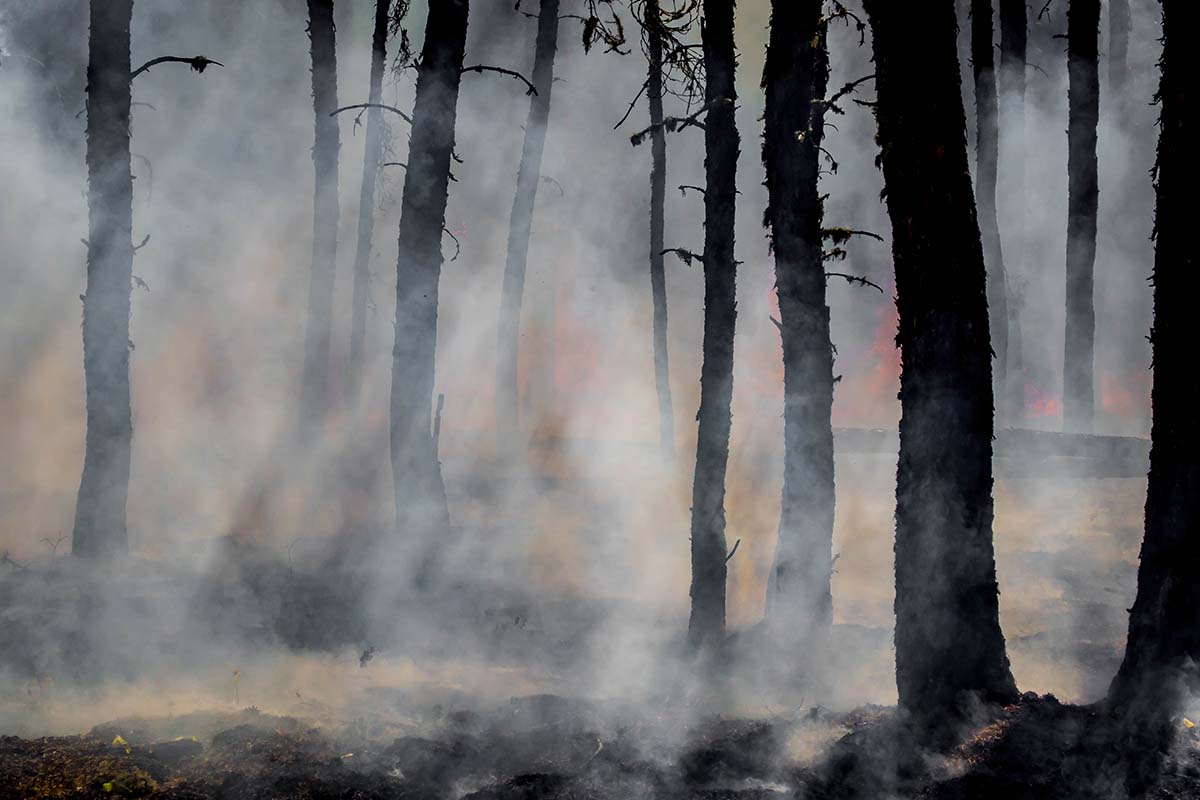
(318, 332)
(987, 127)
(420, 494)
(100, 522)
(372, 156)
(706, 626)
(799, 599)
(1083, 101)
(520, 225)
(1164, 625)
(652, 14)
(948, 639)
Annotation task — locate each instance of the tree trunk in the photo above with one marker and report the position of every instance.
(948, 638)
(1164, 624)
(706, 628)
(315, 384)
(100, 529)
(372, 152)
(1014, 44)
(658, 197)
(1083, 34)
(520, 224)
(987, 126)
(420, 494)
(799, 599)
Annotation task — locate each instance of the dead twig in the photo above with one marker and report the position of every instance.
(734, 550)
(673, 124)
(457, 246)
(853, 279)
(197, 63)
(481, 68)
(686, 256)
(365, 106)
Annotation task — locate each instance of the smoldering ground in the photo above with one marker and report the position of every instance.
(573, 583)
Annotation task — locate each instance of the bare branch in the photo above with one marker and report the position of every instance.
(481, 68)
(673, 124)
(686, 256)
(365, 106)
(853, 279)
(145, 242)
(734, 550)
(683, 189)
(632, 103)
(843, 235)
(197, 63)
(457, 246)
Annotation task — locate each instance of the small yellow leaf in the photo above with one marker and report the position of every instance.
(1187, 723)
(119, 740)
(106, 786)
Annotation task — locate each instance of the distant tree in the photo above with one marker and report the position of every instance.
(100, 529)
(100, 520)
(1011, 82)
(1163, 648)
(987, 126)
(318, 332)
(795, 79)
(948, 638)
(1120, 20)
(420, 493)
(520, 225)
(1083, 34)
(706, 627)
(372, 157)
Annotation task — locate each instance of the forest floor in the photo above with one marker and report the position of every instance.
(558, 749)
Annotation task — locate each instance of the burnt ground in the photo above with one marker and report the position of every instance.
(551, 747)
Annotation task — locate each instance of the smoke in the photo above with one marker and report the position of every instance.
(574, 578)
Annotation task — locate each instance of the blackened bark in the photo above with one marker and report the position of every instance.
(318, 332)
(372, 152)
(1083, 101)
(1014, 45)
(100, 522)
(420, 494)
(987, 127)
(706, 627)
(948, 638)
(799, 600)
(1164, 625)
(652, 14)
(520, 224)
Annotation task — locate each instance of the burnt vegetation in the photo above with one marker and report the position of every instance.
(513, 535)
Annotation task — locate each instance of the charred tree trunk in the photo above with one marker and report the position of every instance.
(520, 225)
(1011, 145)
(948, 638)
(706, 627)
(658, 199)
(318, 332)
(1083, 34)
(372, 152)
(100, 529)
(420, 494)
(987, 126)
(1163, 647)
(799, 601)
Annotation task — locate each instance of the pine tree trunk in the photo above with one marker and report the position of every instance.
(520, 225)
(100, 522)
(1014, 44)
(1120, 20)
(706, 627)
(987, 120)
(799, 599)
(1083, 34)
(1164, 624)
(420, 494)
(948, 638)
(372, 153)
(658, 199)
(315, 384)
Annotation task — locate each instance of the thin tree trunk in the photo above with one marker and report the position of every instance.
(100, 522)
(1083, 35)
(420, 494)
(706, 627)
(799, 601)
(948, 638)
(1014, 45)
(372, 152)
(1120, 20)
(987, 126)
(520, 225)
(658, 198)
(1163, 648)
(318, 332)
